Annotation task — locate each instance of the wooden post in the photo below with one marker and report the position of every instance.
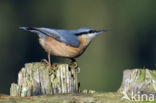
(41, 79)
(138, 82)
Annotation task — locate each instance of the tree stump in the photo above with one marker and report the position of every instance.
(41, 79)
(139, 83)
(36, 79)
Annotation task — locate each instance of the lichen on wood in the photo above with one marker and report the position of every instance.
(139, 83)
(139, 80)
(42, 79)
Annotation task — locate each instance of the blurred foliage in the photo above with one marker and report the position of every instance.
(129, 42)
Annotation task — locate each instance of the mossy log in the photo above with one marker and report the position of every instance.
(138, 81)
(42, 79)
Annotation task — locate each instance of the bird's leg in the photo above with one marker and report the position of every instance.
(49, 60)
(52, 66)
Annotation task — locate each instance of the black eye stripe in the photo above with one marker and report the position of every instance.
(91, 31)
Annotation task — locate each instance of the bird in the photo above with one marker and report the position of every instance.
(64, 43)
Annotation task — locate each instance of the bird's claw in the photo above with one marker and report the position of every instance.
(51, 67)
(74, 64)
(52, 70)
(46, 62)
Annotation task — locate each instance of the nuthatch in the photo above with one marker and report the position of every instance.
(64, 43)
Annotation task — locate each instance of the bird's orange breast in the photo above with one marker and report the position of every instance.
(60, 49)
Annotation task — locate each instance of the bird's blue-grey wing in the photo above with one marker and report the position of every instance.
(64, 36)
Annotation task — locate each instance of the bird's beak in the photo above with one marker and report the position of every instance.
(100, 31)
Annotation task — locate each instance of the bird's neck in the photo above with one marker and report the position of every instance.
(85, 40)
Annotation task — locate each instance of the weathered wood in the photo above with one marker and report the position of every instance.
(140, 83)
(41, 79)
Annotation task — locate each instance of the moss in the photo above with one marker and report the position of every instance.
(111, 97)
(141, 76)
(153, 74)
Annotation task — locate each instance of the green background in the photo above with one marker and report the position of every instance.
(128, 43)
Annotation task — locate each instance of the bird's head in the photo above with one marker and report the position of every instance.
(88, 32)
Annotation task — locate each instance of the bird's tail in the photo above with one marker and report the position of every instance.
(27, 28)
(34, 30)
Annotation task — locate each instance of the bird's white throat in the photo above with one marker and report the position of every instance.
(89, 36)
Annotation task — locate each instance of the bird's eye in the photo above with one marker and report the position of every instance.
(92, 31)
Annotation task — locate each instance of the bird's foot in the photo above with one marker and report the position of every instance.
(46, 62)
(52, 69)
(74, 64)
